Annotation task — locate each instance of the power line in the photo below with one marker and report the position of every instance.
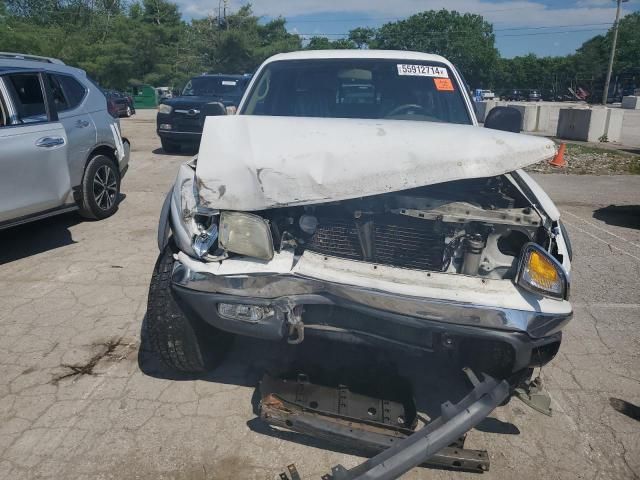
(364, 19)
(608, 24)
(465, 32)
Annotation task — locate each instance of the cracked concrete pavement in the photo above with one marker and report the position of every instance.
(81, 398)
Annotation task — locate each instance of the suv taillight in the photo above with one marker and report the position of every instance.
(112, 108)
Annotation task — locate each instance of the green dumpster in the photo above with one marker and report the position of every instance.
(144, 96)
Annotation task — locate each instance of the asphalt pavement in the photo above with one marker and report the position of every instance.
(81, 397)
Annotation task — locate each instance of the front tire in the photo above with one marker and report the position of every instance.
(184, 343)
(128, 112)
(100, 188)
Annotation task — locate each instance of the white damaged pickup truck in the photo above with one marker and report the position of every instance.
(355, 197)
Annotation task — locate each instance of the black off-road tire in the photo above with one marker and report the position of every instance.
(170, 147)
(100, 188)
(184, 342)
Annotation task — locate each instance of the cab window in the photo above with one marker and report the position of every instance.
(359, 88)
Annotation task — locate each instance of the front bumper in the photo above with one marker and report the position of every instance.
(178, 136)
(355, 313)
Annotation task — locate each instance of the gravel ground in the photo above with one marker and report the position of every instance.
(589, 160)
(81, 397)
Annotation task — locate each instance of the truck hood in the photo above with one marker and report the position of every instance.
(258, 162)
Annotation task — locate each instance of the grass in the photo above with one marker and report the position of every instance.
(630, 161)
(577, 149)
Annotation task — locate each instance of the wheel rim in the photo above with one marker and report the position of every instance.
(105, 187)
(128, 111)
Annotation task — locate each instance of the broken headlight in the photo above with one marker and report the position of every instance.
(195, 228)
(540, 273)
(245, 234)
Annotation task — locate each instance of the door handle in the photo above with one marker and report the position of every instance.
(82, 123)
(48, 142)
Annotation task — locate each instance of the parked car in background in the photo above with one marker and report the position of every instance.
(515, 95)
(488, 95)
(119, 104)
(534, 96)
(180, 119)
(60, 148)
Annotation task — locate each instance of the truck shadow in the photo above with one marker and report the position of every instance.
(619, 215)
(394, 374)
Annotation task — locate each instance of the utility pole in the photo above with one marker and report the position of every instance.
(605, 94)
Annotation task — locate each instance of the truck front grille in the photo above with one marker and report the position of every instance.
(409, 243)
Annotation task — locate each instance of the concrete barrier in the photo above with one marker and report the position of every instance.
(529, 116)
(573, 121)
(590, 124)
(548, 115)
(483, 108)
(631, 128)
(631, 102)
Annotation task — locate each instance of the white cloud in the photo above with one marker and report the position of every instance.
(515, 13)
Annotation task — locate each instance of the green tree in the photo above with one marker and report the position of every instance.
(362, 36)
(467, 40)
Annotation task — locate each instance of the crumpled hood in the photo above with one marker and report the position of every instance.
(258, 162)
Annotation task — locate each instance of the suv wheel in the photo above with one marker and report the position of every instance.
(128, 111)
(100, 188)
(169, 147)
(184, 343)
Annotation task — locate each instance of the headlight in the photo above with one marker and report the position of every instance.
(245, 234)
(164, 108)
(195, 229)
(540, 273)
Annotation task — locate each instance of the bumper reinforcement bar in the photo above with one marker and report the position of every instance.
(398, 448)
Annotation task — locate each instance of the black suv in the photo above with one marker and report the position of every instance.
(180, 119)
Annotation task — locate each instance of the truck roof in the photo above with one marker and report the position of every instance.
(374, 54)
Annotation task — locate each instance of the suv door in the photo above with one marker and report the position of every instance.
(34, 176)
(68, 97)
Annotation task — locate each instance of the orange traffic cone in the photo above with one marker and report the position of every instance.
(558, 160)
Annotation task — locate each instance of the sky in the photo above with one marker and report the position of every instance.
(543, 27)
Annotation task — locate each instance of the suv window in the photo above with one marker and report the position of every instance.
(28, 97)
(67, 91)
(73, 89)
(57, 93)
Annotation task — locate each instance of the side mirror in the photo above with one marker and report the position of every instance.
(213, 109)
(507, 119)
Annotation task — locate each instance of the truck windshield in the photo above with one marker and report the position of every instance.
(213, 86)
(358, 88)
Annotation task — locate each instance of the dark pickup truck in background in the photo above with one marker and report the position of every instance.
(180, 119)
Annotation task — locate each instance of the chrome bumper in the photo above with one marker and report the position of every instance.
(285, 291)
